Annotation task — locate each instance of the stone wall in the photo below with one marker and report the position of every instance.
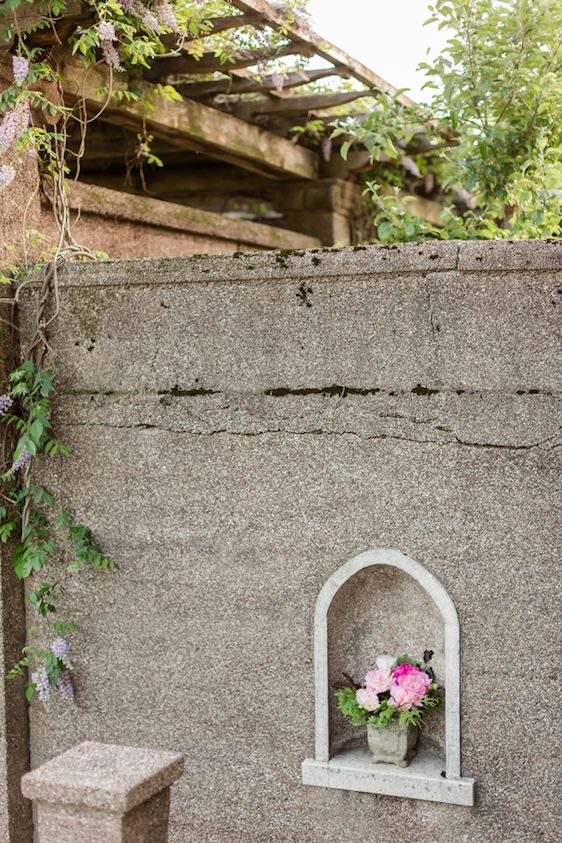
(242, 426)
(123, 225)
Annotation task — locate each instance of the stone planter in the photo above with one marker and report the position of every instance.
(393, 744)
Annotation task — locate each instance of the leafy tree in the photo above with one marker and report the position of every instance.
(493, 128)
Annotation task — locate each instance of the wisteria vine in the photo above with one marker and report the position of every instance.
(34, 121)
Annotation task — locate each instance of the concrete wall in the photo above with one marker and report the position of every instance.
(123, 225)
(242, 426)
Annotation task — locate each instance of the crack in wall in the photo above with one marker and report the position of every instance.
(176, 392)
(334, 390)
(457, 441)
(411, 419)
(435, 328)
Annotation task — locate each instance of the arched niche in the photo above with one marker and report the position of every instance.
(427, 777)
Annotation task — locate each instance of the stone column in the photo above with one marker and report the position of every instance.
(100, 793)
(325, 208)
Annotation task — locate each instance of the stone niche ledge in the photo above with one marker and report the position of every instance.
(353, 769)
(427, 777)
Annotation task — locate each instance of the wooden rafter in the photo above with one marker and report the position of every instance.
(225, 23)
(206, 90)
(28, 15)
(190, 124)
(298, 32)
(209, 63)
(296, 105)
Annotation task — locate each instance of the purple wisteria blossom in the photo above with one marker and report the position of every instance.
(278, 80)
(7, 175)
(163, 14)
(14, 124)
(23, 459)
(149, 19)
(59, 648)
(110, 54)
(6, 403)
(40, 680)
(166, 15)
(65, 687)
(20, 67)
(106, 30)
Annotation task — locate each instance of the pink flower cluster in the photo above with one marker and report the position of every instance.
(408, 687)
(406, 683)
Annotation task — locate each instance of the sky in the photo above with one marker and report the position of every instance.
(386, 35)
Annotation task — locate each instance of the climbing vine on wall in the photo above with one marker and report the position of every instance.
(125, 36)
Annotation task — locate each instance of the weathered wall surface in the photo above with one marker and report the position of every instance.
(19, 204)
(242, 426)
(123, 225)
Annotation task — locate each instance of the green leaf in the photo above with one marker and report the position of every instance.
(36, 431)
(384, 230)
(350, 708)
(6, 531)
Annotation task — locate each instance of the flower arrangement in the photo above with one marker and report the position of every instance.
(400, 689)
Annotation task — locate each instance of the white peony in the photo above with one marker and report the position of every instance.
(385, 662)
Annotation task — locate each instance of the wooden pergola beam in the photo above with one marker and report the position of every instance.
(205, 90)
(190, 125)
(209, 63)
(23, 16)
(298, 105)
(299, 33)
(222, 24)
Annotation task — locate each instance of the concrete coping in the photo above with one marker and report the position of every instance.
(475, 256)
(103, 776)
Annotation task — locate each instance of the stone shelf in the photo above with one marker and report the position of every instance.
(353, 769)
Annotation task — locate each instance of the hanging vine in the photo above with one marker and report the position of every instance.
(42, 535)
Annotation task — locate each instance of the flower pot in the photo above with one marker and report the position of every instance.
(393, 744)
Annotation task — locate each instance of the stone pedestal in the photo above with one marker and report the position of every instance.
(101, 793)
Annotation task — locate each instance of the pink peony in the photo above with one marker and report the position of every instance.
(403, 670)
(367, 699)
(378, 680)
(409, 689)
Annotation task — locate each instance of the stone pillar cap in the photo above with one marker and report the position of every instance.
(104, 776)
